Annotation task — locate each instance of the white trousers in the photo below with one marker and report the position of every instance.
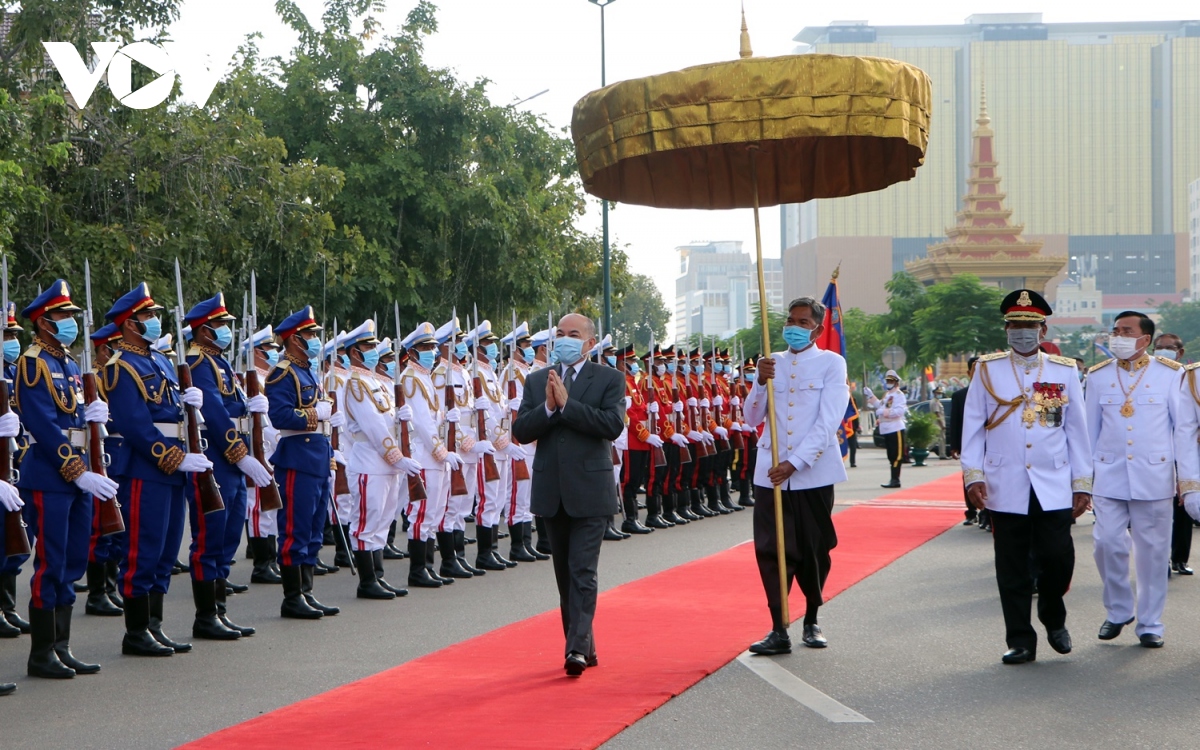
(518, 498)
(424, 516)
(490, 498)
(458, 507)
(1143, 526)
(372, 509)
(261, 524)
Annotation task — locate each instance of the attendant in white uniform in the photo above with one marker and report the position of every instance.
(810, 400)
(1132, 411)
(262, 525)
(1026, 458)
(890, 414)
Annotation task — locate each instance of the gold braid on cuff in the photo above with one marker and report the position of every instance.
(72, 468)
(171, 458)
(971, 476)
(1082, 485)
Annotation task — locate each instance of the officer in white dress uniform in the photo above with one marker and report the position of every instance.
(811, 394)
(1026, 458)
(1132, 411)
(493, 439)
(891, 412)
(520, 519)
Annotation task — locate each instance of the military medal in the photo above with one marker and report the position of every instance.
(1127, 409)
(1049, 398)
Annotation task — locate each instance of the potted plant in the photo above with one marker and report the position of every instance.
(920, 433)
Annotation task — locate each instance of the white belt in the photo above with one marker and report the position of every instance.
(171, 429)
(75, 436)
(323, 428)
(241, 424)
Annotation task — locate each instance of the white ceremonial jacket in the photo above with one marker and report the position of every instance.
(428, 408)
(1187, 436)
(1008, 451)
(370, 416)
(464, 400)
(890, 410)
(811, 395)
(497, 421)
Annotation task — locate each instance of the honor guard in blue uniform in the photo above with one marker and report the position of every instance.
(11, 624)
(151, 465)
(216, 535)
(302, 460)
(55, 482)
(104, 551)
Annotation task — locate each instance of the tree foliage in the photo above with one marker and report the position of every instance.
(642, 314)
(1183, 320)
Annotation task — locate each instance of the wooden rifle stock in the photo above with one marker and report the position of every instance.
(109, 511)
(519, 467)
(458, 483)
(735, 412)
(702, 449)
(208, 494)
(16, 541)
(722, 443)
(656, 453)
(341, 486)
(685, 455)
(490, 472)
(416, 488)
(268, 496)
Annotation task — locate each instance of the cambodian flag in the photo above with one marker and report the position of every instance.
(833, 339)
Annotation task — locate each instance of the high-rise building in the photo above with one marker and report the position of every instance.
(717, 289)
(1194, 237)
(1096, 124)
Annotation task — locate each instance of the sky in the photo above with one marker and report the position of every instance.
(526, 46)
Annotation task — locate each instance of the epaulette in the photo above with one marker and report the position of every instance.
(1061, 360)
(993, 356)
(34, 350)
(278, 371)
(1169, 363)
(1093, 368)
(1192, 366)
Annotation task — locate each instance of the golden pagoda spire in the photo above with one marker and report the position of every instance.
(745, 50)
(983, 120)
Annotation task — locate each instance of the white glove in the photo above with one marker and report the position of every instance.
(257, 404)
(452, 415)
(404, 414)
(324, 409)
(194, 463)
(679, 440)
(735, 401)
(192, 397)
(481, 404)
(97, 484)
(1191, 503)
(409, 466)
(692, 402)
(483, 446)
(628, 402)
(747, 429)
(514, 404)
(622, 442)
(517, 453)
(695, 437)
(339, 457)
(10, 499)
(704, 403)
(10, 425)
(254, 469)
(453, 460)
(869, 392)
(97, 411)
(655, 440)
(722, 433)
(708, 437)
(718, 401)
(337, 420)
(677, 407)
(653, 407)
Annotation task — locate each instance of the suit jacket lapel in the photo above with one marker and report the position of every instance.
(583, 380)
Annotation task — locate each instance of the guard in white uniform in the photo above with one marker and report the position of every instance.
(493, 439)
(339, 509)
(1132, 411)
(374, 462)
(890, 413)
(262, 524)
(1027, 459)
(1187, 443)
(810, 400)
(386, 371)
(520, 519)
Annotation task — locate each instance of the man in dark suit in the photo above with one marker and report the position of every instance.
(574, 410)
(958, 402)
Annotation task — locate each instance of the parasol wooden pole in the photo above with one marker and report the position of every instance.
(763, 304)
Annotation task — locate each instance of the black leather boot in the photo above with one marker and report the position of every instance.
(98, 602)
(745, 493)
(156, 622)
(295, 606)
(494, 537)
(138, 641)
(683, 506)
(7, 688)
(110, 583)
(725, 499)
(342, 557)
(611, 534)
(377, 558)
(483, 551)
(516, 549)
(7, 630)
(527, 532)
(368, 586)
(264, 555)
(62, 643)
(419, 575)
(670, 514)
(43, 659)
(8, 603)
(306, 586)
(431, 548)
(654, 519)
(697, 497)
(220, 588)
(713, 501)
(543, 539)
(460, 551)
(390, 550)
(895, 483)
(450, 568)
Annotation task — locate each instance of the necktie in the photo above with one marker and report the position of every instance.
(569, 378)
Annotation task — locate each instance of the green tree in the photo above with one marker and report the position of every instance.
(866, 338)
(906, 298)
(1183, 320)
(958, 317)
(640, 313)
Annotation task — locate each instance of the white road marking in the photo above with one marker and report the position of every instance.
(800, 691)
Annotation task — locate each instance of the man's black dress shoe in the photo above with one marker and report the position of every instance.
(774, 644)
(611, 534)
(1060, 640)
(1182, 569)
(813, 638)
(1018, 656)
(592, 661)
(891, 486)
(575, 665)
(1110, 630)
(1150, 640)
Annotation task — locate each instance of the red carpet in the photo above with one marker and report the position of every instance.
(948, 488)
(718, 600)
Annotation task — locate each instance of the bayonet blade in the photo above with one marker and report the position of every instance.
(396, 343)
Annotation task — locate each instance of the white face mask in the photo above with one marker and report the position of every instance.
(1123, 347)
(1166, 353)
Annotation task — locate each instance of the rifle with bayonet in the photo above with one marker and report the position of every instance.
(269, 498)
(652, 422)
(685, 453)
(491, 473)
(735, 411)
(416, 487)
(458, 482)
(109, 511)
(722, 444)
(208, 493)
(341, 485)
(520, 468)
(16, 541)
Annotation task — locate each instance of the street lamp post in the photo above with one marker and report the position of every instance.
(607, 262)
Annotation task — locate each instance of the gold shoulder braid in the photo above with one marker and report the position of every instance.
(1012, 404)
(418, 385)
(1100, 365)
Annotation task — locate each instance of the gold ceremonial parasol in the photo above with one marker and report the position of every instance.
(755, 132)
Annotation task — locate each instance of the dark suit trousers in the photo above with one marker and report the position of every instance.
(1042, 537)
(1181, 535)
(575, 548)
(808, 536)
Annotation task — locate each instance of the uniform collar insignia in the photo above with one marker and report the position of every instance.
(125, 346)
(1134, 365)
(52, 348)
(300, 361)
